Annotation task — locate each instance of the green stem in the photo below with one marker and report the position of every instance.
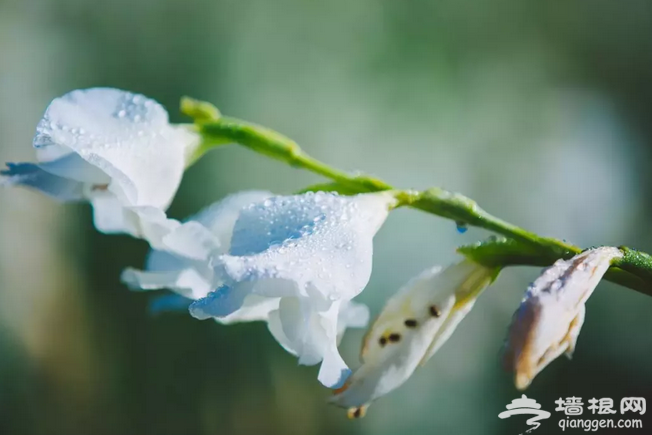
(634, 270)
(272, 144)
(464, 210)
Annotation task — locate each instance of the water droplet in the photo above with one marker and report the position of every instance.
(461, 227)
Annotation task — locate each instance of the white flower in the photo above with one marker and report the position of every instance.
(295, 261)
(183, 265)
(414, 324)
(551, 314)
(112, 148)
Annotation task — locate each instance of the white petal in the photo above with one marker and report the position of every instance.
(469, 279)
(185, 282)
(220, 218)
(312, 335)
(31, 175)
(460, 310)
(292, 320)
(194, 285)
(210, 231)
(285, 245)
(184, 266)
(162, 261)
(574, 331)
(293, 261)
(72, 166)
(550, 317)
(352, 315)
(333, 371)
(109, 216)
(322, 240)
(276, 329)
(390, 364)
(311, 251)
(167, 303)
(190, 240)
(253, 309)
(125, 135)
(416, 296)
(149, 223)
(413, 325)
(222, 302)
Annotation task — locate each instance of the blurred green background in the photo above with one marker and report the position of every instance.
(539, 110)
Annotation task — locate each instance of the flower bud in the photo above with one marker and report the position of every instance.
(551, 314)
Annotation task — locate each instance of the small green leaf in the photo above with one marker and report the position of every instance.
(501, 252)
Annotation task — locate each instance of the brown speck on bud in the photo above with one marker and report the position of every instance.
(382, 341)
(434, 311)
(394, 338)
(411, 323)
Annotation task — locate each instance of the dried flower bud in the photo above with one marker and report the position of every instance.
(551, 314)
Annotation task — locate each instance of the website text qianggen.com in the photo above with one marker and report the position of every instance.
(594, 425)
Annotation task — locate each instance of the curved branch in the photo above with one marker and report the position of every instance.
(521, 247)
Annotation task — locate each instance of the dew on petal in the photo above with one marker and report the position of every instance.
(99, 125)
(309, 250)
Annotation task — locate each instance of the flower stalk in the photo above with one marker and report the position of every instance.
(521, 247)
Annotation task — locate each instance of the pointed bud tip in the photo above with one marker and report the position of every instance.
(357, 412)
(522, 381)
(199, 110)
